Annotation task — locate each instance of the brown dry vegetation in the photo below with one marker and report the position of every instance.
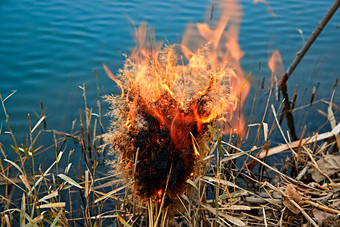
(304, 190)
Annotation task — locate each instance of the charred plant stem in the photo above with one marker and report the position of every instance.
(212, 10)
(42, 113)
(265, 160)
(82, 139)
(88, 120)
(294, 97)
(287, 112)
(300, 54)
(313, 95)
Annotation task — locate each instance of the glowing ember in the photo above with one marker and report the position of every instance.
(160, 130)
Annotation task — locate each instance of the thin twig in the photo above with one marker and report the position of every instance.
(278, 125)
(310, 41)
(284, 147)
(311, 221)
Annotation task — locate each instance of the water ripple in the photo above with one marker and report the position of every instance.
(49, 48)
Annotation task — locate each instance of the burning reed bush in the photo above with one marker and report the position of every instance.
(160, 127)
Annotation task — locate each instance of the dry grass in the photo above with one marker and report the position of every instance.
(248, 192)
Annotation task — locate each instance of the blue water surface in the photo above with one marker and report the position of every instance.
(50, 48)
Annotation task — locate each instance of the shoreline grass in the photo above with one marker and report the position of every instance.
(303, 190)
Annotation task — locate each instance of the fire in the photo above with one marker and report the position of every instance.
(195, 146)
(224, 51)
(275, 64)
(167, 104)
(159, 195)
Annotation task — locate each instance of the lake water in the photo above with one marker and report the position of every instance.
(50, 48)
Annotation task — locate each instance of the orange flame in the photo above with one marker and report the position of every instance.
(275, 64)
(168, 103)
(227, 52)
(194, 146)
(224, 54)
(159, 195)
(213, 69)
